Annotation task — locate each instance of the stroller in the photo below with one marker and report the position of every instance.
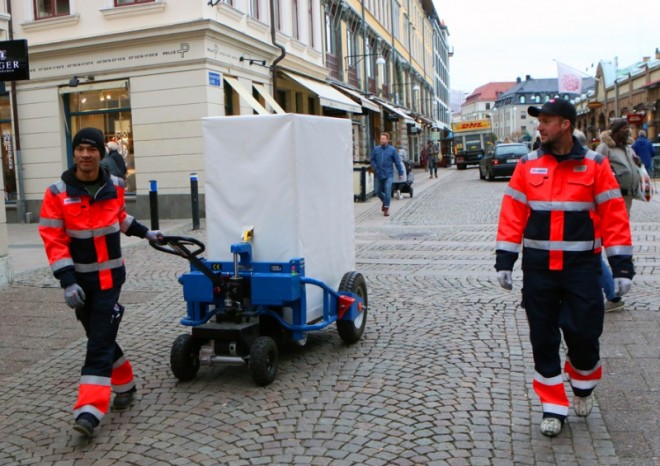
(400, 187)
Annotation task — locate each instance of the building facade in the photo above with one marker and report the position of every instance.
(632, 92)
(511, 123)
(147, 71)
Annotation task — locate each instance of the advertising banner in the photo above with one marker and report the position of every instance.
(14, 64)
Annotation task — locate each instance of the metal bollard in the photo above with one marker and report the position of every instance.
(153, 203)
(194, 197)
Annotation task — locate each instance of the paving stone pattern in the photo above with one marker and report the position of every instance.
(442, 375)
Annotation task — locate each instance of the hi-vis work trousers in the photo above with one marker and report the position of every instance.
(105, 367)
(570, 300)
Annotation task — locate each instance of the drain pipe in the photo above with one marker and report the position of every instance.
(20, 199)
(273, 36)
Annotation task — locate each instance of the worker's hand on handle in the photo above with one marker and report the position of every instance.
(622, 285)
(74, 296)
(505, 279)
(154, 235)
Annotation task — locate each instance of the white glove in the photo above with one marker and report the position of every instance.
(622, 285)
(74, 296)
(505, 279)
(154, 235)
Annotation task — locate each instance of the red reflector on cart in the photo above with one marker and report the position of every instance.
(345, 303)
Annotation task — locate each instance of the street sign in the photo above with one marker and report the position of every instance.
(215, 79)
(14, 63)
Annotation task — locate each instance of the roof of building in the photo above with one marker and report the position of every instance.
(489, 92)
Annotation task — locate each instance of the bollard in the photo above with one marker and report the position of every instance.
(194, 197)
(153, 203)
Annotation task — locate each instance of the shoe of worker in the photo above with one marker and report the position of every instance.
(123, 400)
(612, 306)
(551, 426)
(386, 212)
(84, 426)
(583, 405)
(382, 208)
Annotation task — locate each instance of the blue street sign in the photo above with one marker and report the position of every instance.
(214, 79)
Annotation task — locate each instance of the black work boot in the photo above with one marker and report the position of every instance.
(85, 424)
(123, 400)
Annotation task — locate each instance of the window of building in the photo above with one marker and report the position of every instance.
(278, 20)
(522, 99)
(51, 8)
(8, 159)
(295, 27)
(310, 19)
(131, 2)
(254, 8)
(108, 109)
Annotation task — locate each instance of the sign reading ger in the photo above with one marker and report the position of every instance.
(475, 125)
(14, 63)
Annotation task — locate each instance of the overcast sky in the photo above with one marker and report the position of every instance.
(501, 40)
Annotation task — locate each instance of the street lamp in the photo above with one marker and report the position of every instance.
(380, 61)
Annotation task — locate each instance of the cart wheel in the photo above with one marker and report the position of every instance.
(184, 358)
(351, 331)
(263, 360)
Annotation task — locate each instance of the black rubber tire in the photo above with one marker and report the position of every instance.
(461, 166)
(263, 360)
(491, 176)
(411, 191)
(351, 331)
(481, 175)
(184, 358)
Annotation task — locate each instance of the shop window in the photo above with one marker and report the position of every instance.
(131, 2)
(109, 110)
(51, 8)
(8, 159)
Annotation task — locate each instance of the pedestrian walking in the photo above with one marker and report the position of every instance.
(615, 145)
(384, 158)
(644, 150)
(432, 152)
(81, 219)
(561, 204)
(613, 302)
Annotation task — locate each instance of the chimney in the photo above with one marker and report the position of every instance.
(528, 77)
(518, 80)
(646, 59)
(657, 53)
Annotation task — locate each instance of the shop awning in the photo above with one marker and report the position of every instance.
(246, 95)
(328, 95)
(366, 103)
(261, 89)
(401, 113)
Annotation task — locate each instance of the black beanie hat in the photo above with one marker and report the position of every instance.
(92, 136)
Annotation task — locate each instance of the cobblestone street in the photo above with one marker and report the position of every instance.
(442, 375)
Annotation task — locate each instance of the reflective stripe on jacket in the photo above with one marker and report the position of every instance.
(562, 210)
(81, 233)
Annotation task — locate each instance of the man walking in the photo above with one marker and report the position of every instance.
(644, 150)
(562, 203)
(383, 160)
(81, 218)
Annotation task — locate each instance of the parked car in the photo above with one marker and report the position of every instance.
(501, 160)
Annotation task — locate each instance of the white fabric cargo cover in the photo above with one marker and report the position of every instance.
(328, 95)
(290, 176)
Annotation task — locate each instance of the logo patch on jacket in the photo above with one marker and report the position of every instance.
(539, 171)
(72, 200)
(580, 168)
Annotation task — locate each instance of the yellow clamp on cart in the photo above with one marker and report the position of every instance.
(248, 234)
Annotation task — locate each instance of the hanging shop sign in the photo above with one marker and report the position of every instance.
(14, 63)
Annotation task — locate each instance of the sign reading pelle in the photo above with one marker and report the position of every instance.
(14, 63)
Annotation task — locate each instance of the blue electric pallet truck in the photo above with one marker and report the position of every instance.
(239, 310)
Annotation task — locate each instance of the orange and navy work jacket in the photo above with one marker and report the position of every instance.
(561, 211)
(82, 234)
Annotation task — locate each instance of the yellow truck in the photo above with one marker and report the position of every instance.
(471, 141)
